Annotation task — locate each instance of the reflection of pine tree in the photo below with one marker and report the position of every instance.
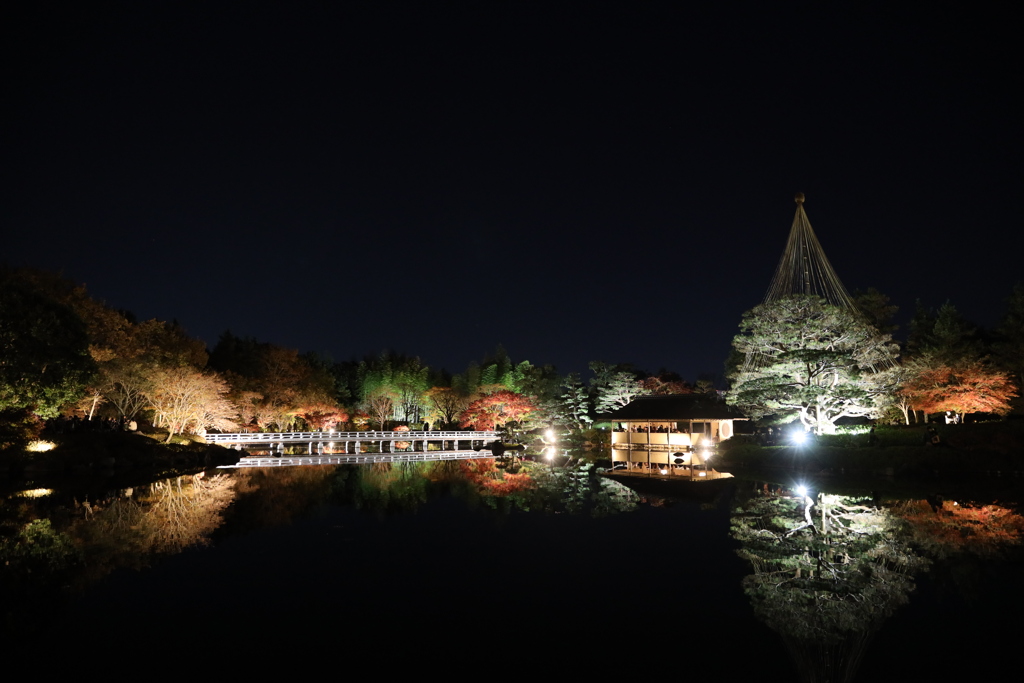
(827, 573)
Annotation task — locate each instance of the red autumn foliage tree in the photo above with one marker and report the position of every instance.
(967, 387)
(401, 445)
(662, 387)
(321, 416)
(496, 409)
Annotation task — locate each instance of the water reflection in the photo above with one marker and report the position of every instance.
(53, 546)
(829, 570)
(59, 544)
(826, 576)
(501, 485)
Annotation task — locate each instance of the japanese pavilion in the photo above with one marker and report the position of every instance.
(667, 431)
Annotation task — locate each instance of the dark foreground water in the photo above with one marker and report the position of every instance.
(437, 572)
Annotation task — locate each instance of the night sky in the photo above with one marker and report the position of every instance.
(575, 181)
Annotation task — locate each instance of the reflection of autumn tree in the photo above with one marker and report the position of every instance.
(827, 573)
(388, 487)
(949, 528)
(275, 496)
(185, 510)
(541, 488)
(484, 473)
(165, 517)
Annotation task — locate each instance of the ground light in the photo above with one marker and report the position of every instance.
(549, 444)
(799, 437)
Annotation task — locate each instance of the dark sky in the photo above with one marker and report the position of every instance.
(576, 181)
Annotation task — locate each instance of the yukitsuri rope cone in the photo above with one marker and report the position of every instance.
(804, 268)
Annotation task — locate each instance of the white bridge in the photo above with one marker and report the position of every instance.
(362, 459)
(353, 443)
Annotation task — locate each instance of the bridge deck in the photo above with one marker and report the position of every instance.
(332, 437)
(364, 458)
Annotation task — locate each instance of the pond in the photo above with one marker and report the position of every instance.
(474, 569)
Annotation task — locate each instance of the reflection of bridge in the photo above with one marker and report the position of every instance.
(352, 443)
(362, 459)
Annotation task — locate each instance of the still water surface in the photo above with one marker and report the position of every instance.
(467, 570)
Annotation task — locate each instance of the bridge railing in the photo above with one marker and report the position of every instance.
(325, 437)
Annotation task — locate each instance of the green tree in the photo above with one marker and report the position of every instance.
(809, 360)
(875, 307)
(574, 403)
(614, 386)
(1009, 344)
(44, 349)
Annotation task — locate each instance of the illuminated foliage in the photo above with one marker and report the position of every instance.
(971, 386)
(444, 404)
(573, 405)
(808, 360)
(287, 383)
(497, 409)
(44, 349)
(380, 404)
(401, 445)
(321, 416)
(187, 400)
(403, 378)
(614, 386)
(659, 386)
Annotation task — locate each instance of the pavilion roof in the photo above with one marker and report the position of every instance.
(676, 407)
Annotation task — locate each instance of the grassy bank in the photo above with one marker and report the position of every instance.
(982, 448)
(91, 455)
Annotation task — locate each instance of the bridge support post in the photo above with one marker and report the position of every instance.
(359, 447)
(309, 448)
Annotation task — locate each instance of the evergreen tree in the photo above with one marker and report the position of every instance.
(812, 361)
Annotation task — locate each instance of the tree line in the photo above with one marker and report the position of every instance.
(800, 358)
(64, 353)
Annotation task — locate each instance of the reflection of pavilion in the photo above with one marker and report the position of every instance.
(669, 431)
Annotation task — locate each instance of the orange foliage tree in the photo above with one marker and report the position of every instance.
(321, 416)
(445, 404)
(967, 387)
(496, 409)
(401, 445)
